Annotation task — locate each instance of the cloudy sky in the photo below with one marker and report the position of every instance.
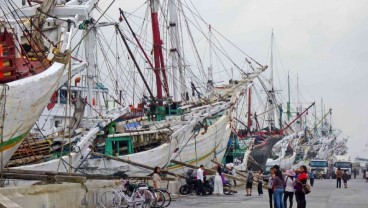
(324, 43)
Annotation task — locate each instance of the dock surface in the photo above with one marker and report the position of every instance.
(324, 195)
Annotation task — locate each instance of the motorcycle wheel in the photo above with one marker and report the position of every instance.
(207, 190)
(184, 190)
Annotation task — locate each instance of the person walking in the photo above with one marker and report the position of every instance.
(278, 189)
(339, 174)
(299, 194)
(249, 184)
(200, 180)
(345, 178)
(355, 171)
(289, 187)
(311, 176)
(233, 173)
(156, 178)
(260, 182)
(366, 176)
(218, 186)
(270, 185)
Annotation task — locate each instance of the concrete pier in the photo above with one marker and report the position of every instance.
(324, 195)
(72, 195)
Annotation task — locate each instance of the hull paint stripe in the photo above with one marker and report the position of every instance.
(12, 142)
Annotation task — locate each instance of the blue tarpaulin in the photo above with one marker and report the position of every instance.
(132, 126)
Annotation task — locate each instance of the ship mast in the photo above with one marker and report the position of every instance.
(90, 43)
(288, 103)
(175, 53)
(249, 124)
(159, 67)
(271, 92)
(210, 69)
(300, 108)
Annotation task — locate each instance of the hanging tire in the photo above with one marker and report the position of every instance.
(184, 190)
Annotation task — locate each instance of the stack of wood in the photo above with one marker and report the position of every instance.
(30, 151)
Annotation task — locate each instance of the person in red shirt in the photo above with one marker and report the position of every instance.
(299, 194)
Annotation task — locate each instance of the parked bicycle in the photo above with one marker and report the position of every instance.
(139, 197)
(163, 197)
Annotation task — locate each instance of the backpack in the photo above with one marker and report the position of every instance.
(250, 178)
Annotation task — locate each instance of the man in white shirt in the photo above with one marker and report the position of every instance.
(200, 180)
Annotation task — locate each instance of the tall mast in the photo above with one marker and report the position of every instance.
(271, 92)
(315, 121)
(330, 120)
(271, 62)
(288, 103)
(249, 124)
(322, 113)
(90, 43)
(175, 53)
(210, 75)
(300, 108)
(159, 67)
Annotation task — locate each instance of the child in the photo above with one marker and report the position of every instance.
(345, 178)
(260, 183)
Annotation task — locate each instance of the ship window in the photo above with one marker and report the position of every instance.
(63, 96)
(122, 145)
(57, 123)
(121, 148)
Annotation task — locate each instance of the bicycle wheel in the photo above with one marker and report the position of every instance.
(227, 190)
(167, 198)
(145, 198)
(160, 198)
(110, 199)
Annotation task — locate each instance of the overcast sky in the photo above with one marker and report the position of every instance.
(323, 42)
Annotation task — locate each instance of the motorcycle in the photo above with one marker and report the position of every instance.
(191, 185)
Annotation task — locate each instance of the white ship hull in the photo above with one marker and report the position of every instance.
(201, 148)
(184, 144)
(284, 162)
(22, 103)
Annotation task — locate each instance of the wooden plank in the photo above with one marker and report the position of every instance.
(135, 164)
(49, 174)
(32, 143)
(211, 172)
(33, 177)
(70, 179)
(5, 202)
(237, 172)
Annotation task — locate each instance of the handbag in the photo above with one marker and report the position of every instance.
(306, 188)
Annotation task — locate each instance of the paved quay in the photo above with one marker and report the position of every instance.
(324, 194)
